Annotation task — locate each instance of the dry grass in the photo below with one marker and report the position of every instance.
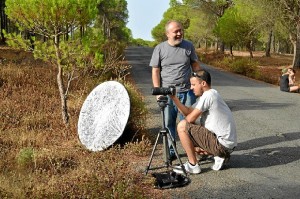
(269, 67)
(40, 157)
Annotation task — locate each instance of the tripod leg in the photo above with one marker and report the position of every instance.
(151, 157)
(166, 150)
(176, 152)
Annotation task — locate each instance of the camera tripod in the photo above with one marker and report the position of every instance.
(166, 138)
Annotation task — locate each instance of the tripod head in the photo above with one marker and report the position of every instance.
(162, 101)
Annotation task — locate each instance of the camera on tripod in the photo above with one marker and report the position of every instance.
(166, 137)
(171, 90)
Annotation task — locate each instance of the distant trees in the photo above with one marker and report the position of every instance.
(175, 12)
(71, 34)
(290, 17)
(270, 25)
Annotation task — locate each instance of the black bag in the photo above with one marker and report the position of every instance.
(170, 179)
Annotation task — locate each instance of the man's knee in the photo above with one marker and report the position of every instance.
(181, 126)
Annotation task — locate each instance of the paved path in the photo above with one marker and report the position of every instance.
(266, 163)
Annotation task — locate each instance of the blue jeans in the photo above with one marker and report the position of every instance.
(187, 98)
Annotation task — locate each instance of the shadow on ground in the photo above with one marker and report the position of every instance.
(259, 158)
(250, 104)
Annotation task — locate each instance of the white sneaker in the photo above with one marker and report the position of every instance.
(189, 168)
(219, 163)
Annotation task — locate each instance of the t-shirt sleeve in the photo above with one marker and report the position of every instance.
(204, 102)
(155, 59)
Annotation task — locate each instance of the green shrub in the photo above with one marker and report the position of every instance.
(243, 66)
(25, 158)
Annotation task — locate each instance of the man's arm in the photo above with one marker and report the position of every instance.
(156, 76)
(182, 108)
(192, 117)
(196, 66)
(190, 113)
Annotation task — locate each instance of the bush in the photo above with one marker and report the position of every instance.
(242, 66)
(135, 128)
(25, 157)
(245, 67)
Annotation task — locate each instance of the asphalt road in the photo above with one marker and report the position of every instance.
(266, 163)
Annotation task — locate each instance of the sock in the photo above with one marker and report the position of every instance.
(192, 164)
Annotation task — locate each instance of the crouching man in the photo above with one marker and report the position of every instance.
(208, 125)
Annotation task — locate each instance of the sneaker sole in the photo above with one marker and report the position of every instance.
(180, 171)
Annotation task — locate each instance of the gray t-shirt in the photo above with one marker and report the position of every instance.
(175, 64)
(217, 117)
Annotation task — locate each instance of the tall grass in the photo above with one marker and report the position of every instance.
(42, 158)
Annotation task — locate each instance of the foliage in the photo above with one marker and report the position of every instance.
(112, 18)
(67, 34)
(200, 28)
(141, 42)
(290, 10)
(50, 18)
(243, 66)
(179, 13)
(231, 28)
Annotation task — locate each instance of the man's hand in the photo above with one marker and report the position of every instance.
(157, 97)
(201, 151)
(173, 96)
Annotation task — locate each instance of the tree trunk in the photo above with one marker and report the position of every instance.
(216, 46)
(296, 61)
(3, 23)
(249, 48)
(61, 88)
(198, 45)
(231, 48)
(222, 47)
(268, 47)
(273, 46)
(278, 47)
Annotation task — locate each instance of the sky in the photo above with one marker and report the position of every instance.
(144, 15)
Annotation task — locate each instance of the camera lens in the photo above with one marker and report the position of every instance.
(164, 91)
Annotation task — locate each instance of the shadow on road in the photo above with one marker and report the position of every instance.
(259, 142)
(268, 156)
(250, 104)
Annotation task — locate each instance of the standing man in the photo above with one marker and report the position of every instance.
(208, 125)
(172, 63)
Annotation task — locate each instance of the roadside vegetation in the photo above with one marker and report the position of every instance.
(260, 67)
(43, 158)
(53, 54)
